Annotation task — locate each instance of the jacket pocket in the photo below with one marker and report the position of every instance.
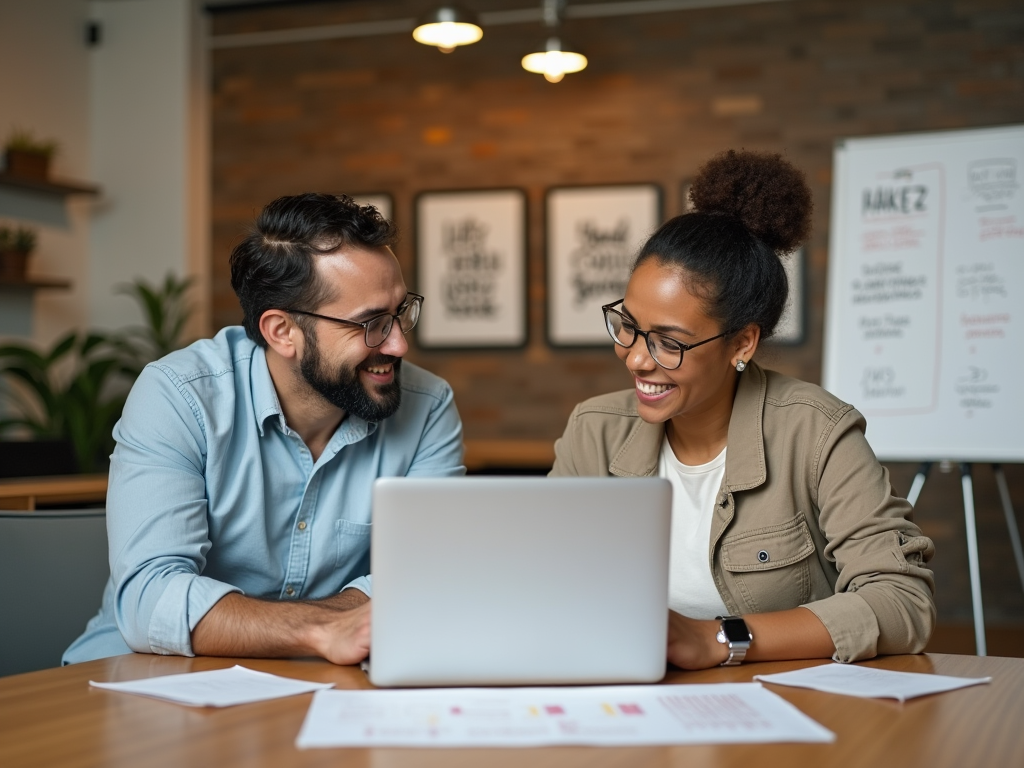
(770, 567)
(352, 544)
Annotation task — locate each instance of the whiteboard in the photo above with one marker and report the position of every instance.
(925, 314)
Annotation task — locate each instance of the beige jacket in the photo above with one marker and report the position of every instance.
(805, 515)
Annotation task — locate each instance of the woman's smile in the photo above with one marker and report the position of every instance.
(652, 391)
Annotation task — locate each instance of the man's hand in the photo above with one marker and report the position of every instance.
(336, 628)
(345, 639)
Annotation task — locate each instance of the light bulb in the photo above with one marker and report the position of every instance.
(447, 28)
(554, 63)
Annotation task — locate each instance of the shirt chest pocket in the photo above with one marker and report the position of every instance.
(352, 546)
(770, 567)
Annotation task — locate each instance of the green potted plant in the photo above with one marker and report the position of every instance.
(16, 243)
(27, 156)
(50, 403)
(165, 309)
(75, 390)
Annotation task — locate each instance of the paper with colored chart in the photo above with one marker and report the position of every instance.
(728, 713)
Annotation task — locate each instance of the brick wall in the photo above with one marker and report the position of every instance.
(662, 93)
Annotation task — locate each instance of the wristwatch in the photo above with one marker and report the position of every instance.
(735, 634)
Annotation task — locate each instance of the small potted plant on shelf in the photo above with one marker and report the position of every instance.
(16, 243)
(27, 156)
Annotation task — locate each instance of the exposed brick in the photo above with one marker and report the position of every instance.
(358, 115)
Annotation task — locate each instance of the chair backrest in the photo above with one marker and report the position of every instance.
(53, 566)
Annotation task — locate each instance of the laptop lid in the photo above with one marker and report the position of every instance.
(516, 581)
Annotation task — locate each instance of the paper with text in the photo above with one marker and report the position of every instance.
(215, 688)
(729, 713)
(868, 682)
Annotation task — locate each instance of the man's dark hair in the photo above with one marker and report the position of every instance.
(275, 266)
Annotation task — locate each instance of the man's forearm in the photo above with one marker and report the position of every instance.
(336, 628)
(343, 601)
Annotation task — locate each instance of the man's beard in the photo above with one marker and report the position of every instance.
(345, 391)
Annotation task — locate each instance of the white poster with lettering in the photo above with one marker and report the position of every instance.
(593, 237)
(471, 268)
(925, 330)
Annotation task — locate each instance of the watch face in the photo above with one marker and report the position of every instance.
(736, 630)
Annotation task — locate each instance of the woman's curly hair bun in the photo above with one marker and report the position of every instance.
(768, 194)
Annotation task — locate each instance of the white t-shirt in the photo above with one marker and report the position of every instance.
(691, 589)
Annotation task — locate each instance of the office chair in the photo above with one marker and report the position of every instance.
(53, 566)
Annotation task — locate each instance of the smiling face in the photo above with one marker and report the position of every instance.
(701, 389)
(336, 363)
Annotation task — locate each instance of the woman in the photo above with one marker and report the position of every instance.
(788, 541)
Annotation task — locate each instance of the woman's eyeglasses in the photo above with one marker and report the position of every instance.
(666, 351)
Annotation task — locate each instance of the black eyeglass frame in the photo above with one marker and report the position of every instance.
(410, 299)
(683, 346)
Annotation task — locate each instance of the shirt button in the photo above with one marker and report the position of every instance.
(762, 556)
(289, 591)
(302, 525)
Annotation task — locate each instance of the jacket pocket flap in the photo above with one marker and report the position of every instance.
(767, 548)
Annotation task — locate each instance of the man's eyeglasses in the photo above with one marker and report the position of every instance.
(378, 327)
(666, 351)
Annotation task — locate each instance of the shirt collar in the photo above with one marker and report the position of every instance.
(265, 404)
(351, 430)
(744, 463)
(264, 397)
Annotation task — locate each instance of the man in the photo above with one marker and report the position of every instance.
(238, 512)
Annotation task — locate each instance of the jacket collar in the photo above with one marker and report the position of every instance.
(744, 463)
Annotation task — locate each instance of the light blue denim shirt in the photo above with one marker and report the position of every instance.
(211, 492)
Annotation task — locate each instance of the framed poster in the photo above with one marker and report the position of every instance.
(379, 200)
(593, 235)
(790, 329)
(471, 267)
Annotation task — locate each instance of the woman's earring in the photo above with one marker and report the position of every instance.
(741, 366)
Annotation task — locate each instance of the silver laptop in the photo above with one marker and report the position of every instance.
(519, 581)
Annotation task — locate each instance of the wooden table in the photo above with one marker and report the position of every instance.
(25, 494)
(53, 718)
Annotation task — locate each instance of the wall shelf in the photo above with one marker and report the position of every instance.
(61, 188)
(35, 283)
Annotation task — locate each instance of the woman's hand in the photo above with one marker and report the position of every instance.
(692, 643)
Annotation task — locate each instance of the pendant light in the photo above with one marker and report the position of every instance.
(448, 27)
(556, 60)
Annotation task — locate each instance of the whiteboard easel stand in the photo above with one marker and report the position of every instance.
(972, 536)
